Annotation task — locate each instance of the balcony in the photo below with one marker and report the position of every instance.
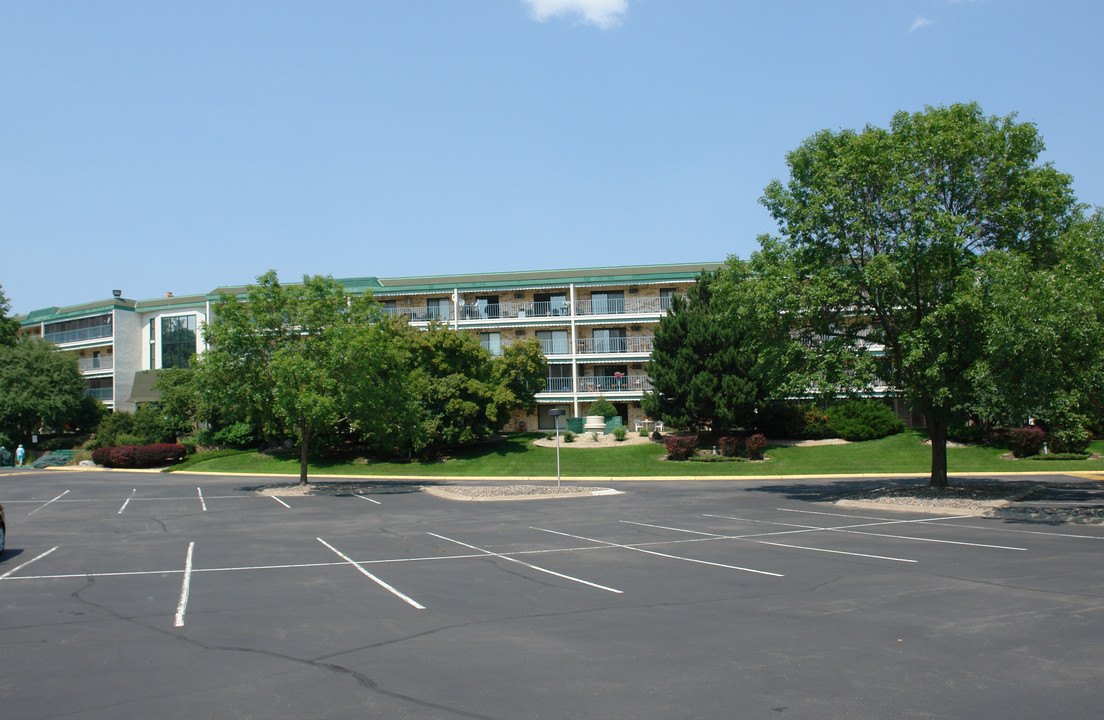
(101, 394)
(91, 365)
(641, 345)
(79, 335)
(623, 306)
(604, 384)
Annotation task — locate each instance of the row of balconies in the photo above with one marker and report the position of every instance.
(641, 345)
(533, 309)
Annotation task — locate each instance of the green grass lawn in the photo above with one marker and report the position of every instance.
(515, 455)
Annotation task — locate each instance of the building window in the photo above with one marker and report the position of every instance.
(611, 302)
(100, 388)
(609, 340)
(548, 422)
(491, 342)
(68, 331)
(665, 295)
(486, 307)
(438, 309)
(549, 304)
(559, 378)
(553, 342)
(178, 340)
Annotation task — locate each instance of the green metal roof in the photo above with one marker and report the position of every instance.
(526, 279)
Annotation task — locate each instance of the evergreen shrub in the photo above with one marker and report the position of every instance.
(858, 420)
(1074, 439)
(602, 407)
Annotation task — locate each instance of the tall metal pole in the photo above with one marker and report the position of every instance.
(557, 451)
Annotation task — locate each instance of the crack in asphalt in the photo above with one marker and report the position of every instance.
(363, 680)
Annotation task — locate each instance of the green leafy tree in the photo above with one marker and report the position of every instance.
(300, 360)
(40, 388)
(1044, 334)
(8, 325)
(461, 393)
(885, 226)
(720, 354)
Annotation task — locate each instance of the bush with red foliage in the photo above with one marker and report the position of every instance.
(756, 444)
(1026, 441)
(139, 456)
(680, 447)
(729, 445)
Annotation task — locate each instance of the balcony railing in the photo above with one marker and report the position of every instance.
(530, 309)
(623, 306)
(602, 346)
(611, 384)
(95, 364)
(101, 394)
(558, 385)
(560, 346)
(79, 335)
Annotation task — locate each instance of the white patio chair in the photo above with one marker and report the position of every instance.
(659, 426)
(639, 425)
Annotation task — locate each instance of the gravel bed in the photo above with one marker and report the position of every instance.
(981, 499)
(514, 491)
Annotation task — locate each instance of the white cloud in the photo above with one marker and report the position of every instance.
(919, 22)
(603, 13)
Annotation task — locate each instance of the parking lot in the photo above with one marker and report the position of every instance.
(136, 594)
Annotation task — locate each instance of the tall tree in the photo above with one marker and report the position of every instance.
(297, 360)
(1044, 335)
(39, 388)
(887, 225)
(8, 325)
(720, 354)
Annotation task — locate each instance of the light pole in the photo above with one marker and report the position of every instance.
(556, 413)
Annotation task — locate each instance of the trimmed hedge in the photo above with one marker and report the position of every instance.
(139, 456)
(680, 447)
(729, 446)
(1026, 441)
(858, 420)
(756, 445)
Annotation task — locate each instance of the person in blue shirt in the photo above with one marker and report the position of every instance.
(19, 453)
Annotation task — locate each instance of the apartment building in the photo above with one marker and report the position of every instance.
(594, 325)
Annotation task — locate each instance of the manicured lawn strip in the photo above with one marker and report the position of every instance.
(516, 456)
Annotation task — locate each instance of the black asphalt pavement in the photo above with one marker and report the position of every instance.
(134, 595)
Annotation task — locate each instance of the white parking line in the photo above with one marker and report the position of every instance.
(528, 565)
(375, 579)
(280, 501)
(201, 500)
(752, 538)
(185, 588)
(34, 559)
(941, 520)
(659, 554)
(127, 501)
(847, 529)
(377, 502)
(32, 512)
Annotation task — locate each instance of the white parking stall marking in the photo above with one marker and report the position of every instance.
(377, 502)
(942, 520)
(374, 579)
(847, 529)
(34, 559)
(127, 501)
(754, 539)
(659, 554)
(32, 512)
(529, 565)
(185, 588)
(201, 500)
(280, 501)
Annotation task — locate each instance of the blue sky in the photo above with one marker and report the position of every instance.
(179, 146)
